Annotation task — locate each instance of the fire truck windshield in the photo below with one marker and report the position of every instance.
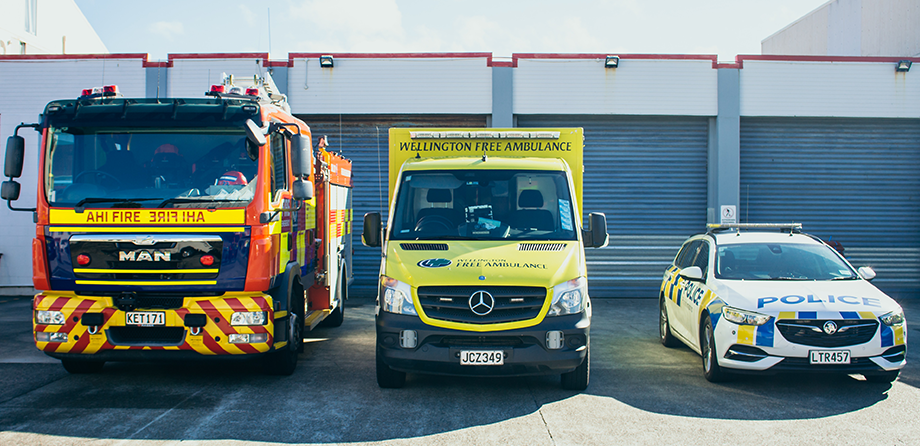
(148, 168)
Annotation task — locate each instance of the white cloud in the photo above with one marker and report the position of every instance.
(167, 30)
(360, 22)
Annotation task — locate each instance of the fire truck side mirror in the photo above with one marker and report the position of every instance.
(301, 154)
(302, 190)
(371, 235)
(15, 153)
(10, 190)
(255, 139)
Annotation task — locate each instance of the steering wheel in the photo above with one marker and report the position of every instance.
(430, 223)
(98, 173)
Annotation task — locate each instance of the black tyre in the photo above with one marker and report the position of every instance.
(388, 378)
(337, 316)
(77, 366)
(284, 361)
(578, 379)
(711, 369)
(664, 326)
(885, 378)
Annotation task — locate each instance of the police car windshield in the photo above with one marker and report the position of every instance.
(148, 167)
(780, 261)
(483, 205)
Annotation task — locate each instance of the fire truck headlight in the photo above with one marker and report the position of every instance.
(49, 317)
(397, 297)
(248, 318)
(247, 338)
(569, 297)
(50, 337)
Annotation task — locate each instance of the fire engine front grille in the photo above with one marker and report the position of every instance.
(811, 332)
(452, 303)
(158, 336)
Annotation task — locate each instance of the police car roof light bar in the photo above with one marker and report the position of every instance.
(791, 227)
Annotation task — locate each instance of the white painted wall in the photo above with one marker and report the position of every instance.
(828, 89)
(636, 87)
(37, 83)
(61, 28)
(400, 85)
(191, 78)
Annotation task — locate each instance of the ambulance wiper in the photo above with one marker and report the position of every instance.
(79, 206)
(448, 237)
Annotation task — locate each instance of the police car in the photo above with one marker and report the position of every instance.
(767, 297)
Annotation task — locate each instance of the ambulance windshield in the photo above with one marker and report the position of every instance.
(148, 168)
(483, 205)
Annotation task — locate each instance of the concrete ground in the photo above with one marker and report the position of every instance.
(640, 393)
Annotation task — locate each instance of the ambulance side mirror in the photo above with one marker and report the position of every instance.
(595, 236)
(371, 235)
(301, 154)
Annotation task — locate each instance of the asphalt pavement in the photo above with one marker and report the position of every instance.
(640, 393)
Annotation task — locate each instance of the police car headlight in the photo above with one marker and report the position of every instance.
(742, 317)
(396, 297)
(248, 318)
(49, 317)
(569, 297)
(893, 318)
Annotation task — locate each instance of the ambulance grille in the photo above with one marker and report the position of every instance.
(451, 303)
(810, 332)
(423, 246)
(152, 336)
(541, 246)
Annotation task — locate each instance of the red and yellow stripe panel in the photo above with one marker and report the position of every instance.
(211, 340)
(340, 222)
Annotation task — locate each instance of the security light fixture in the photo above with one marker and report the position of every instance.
(326, 61)
(611, 62)
(903, 65)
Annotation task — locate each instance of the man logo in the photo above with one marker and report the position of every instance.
(434, 263)
(830, 327)
(482, 303)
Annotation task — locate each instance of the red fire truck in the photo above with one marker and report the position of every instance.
(175, 228)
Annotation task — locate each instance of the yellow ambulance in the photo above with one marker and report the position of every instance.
(483, 269)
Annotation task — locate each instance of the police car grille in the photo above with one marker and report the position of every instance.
(449, 303)
(146, 335)
(811, 333)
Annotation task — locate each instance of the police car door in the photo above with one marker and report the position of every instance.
(675, 293)
(692, 294)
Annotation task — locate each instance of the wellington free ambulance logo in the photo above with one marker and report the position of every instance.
(434, 263)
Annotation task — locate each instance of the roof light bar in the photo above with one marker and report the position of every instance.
(217, 89)
(252, 92)
(722, 226)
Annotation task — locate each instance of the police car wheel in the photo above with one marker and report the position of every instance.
(578, 378)
(77, 366)
(711, 369)
(664, 326)
(886, 378)
(388, 378)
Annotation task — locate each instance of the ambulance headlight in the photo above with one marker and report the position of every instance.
(49, 317)
(893, 318)
(742, 317)
(569, 297)
(248, 318)
(396, 297)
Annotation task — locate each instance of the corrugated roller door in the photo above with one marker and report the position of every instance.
(648, 175)
(853, 180)
(364, 139)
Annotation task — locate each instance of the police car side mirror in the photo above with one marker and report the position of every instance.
(866, 272)
(693, 273)
(596, 235)
(371, 235)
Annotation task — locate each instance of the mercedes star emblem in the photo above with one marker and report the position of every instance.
(481, 303)
(830, 327)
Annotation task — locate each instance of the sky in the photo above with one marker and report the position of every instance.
(502, 27)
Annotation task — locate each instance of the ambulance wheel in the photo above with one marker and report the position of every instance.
(884, 378)
(664, 326)
(711, 369)
(578, 379)
(77, 366)
(337, 316)
(388, 378)
(284, 361)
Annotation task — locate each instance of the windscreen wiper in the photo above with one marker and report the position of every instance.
(190, 200)
(78, 208)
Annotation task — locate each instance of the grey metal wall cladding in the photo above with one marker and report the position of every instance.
(854, 180)
(364, 140)
(648, 175)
